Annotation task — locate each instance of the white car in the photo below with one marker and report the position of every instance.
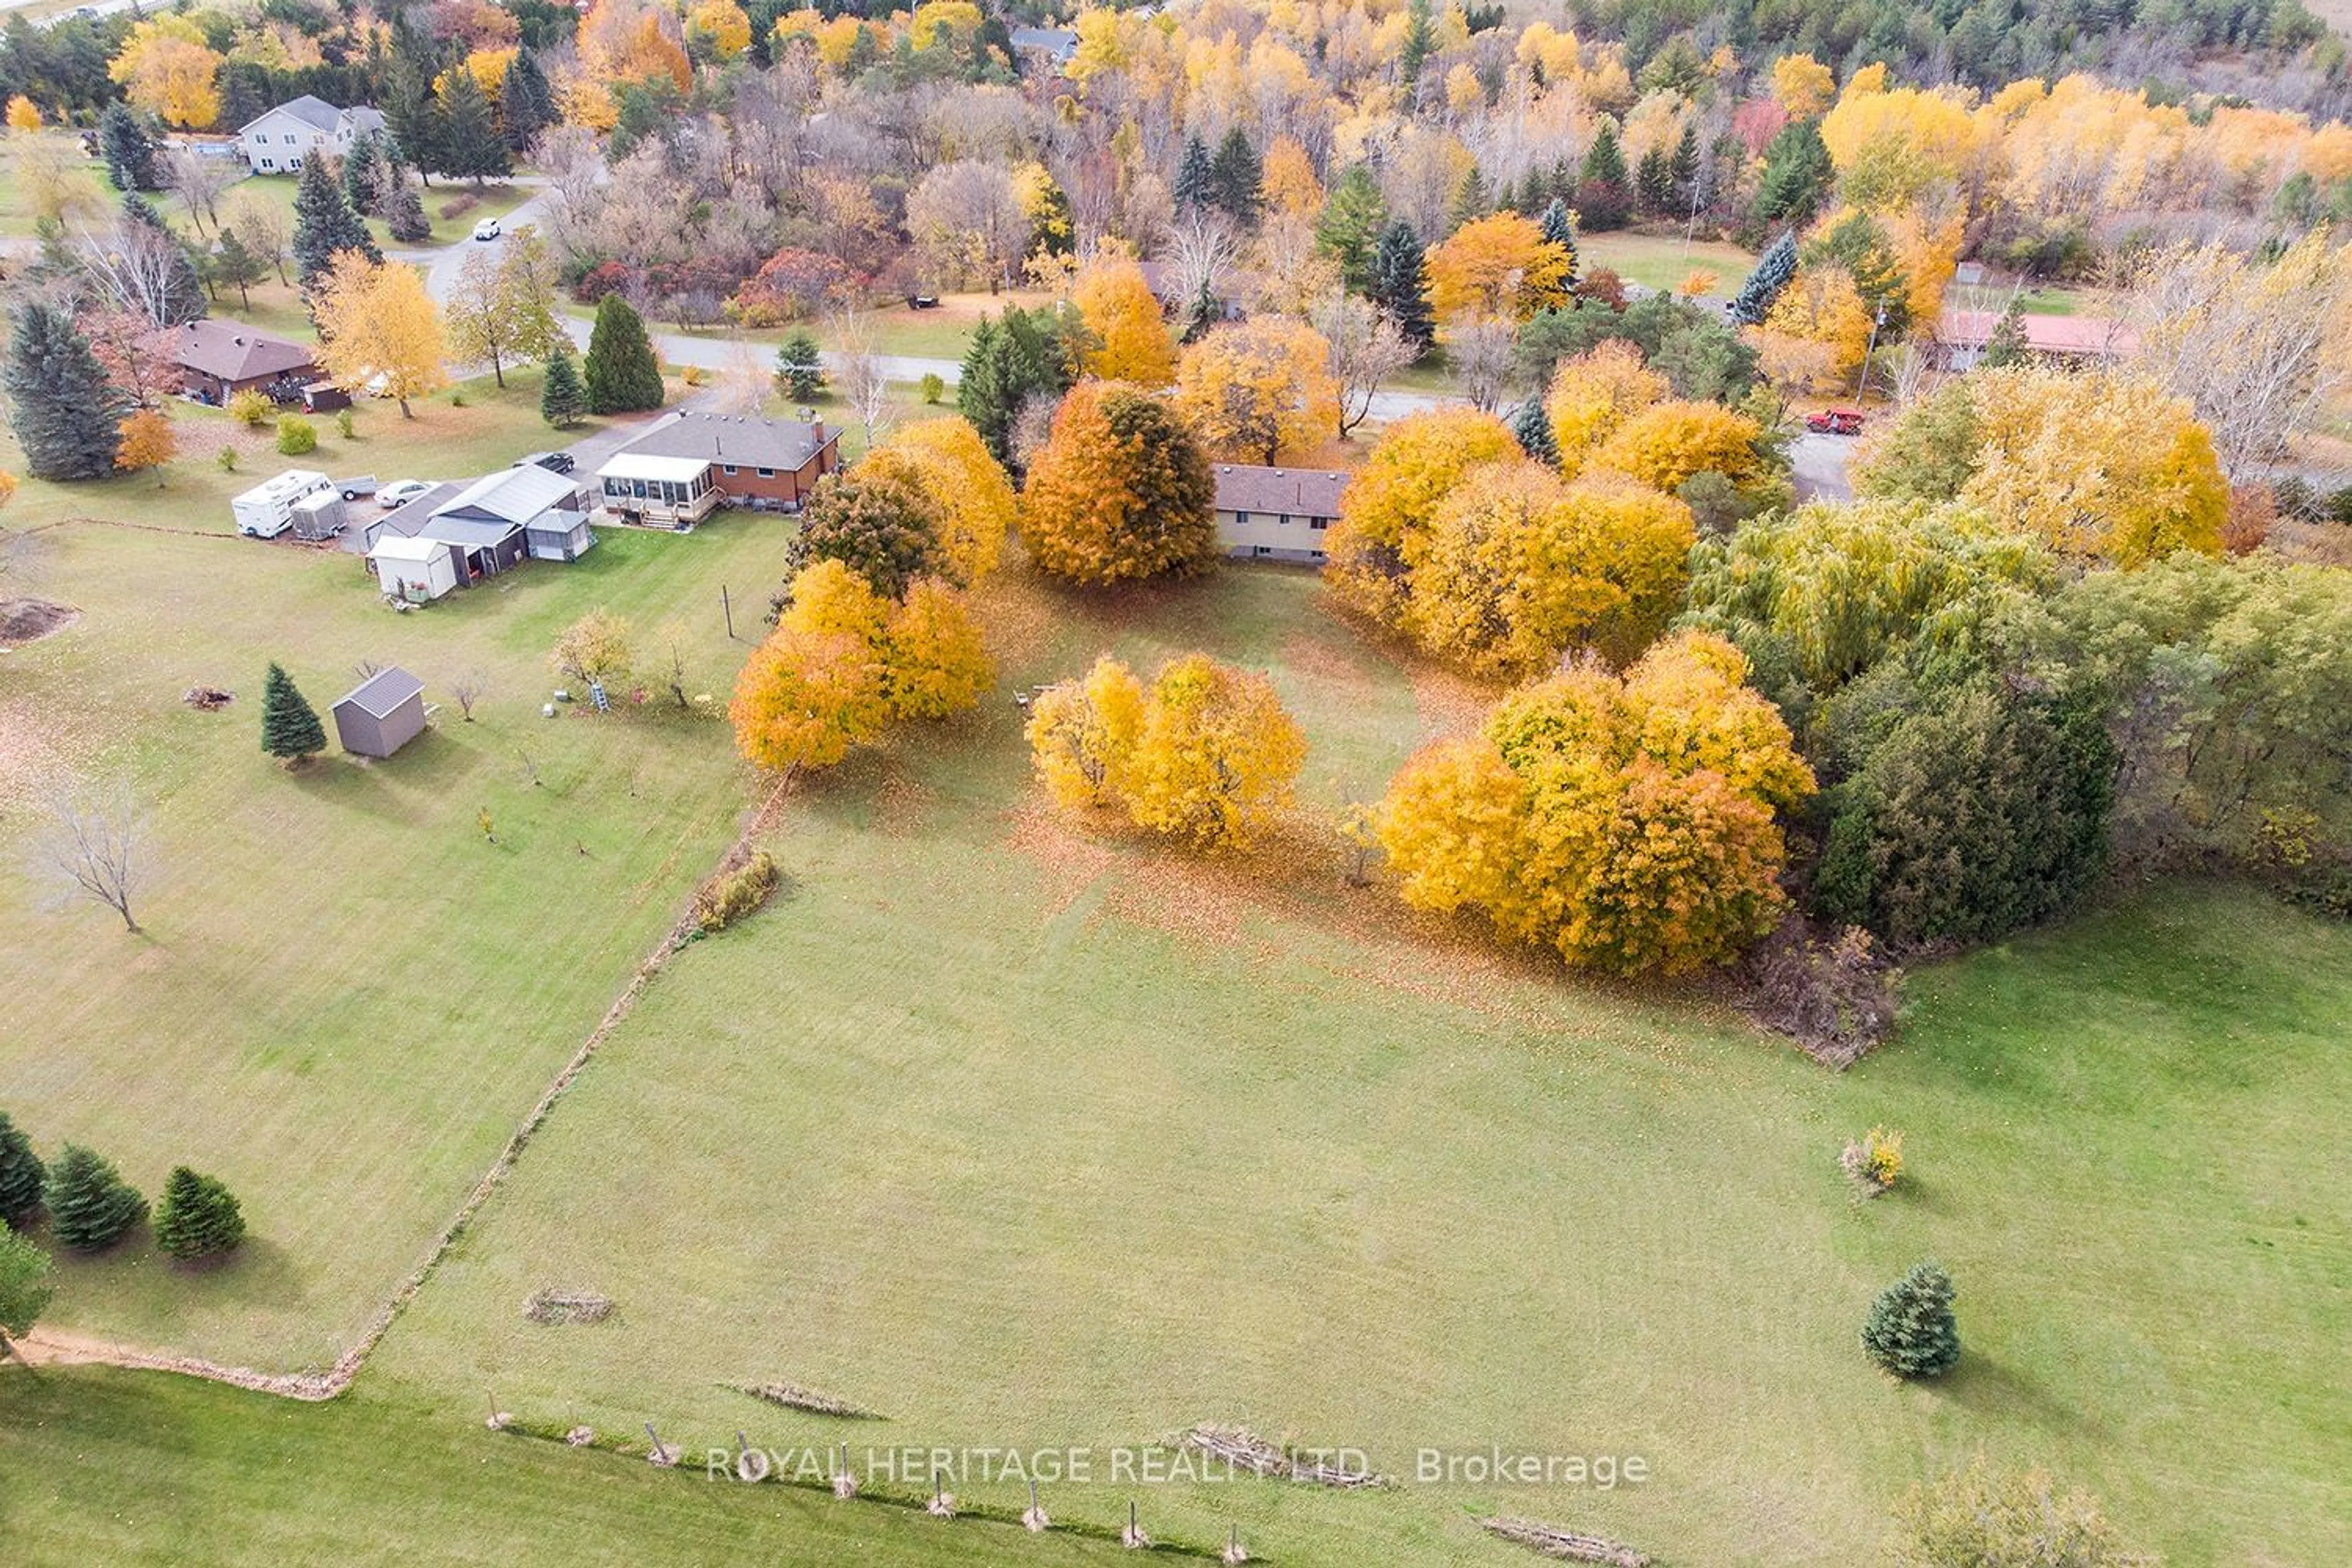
(400, 492)
(487, 229)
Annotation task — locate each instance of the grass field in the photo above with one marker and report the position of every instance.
(1663, 261)
(494, 200)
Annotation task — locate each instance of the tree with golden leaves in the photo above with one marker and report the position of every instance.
(24, 115)
(720, 27)
(1288, 183)
(1120, 490)
(829, 597)
(1128, 340)
(1500, 265)
(379, 330)
(934, 661)
(1665, 443)
(148, 441)
(1802, 85)
(168, 68)
(1206, 755)
(1626, 824)
(971, 487)
(806, 698)
(1388, 504)
(1255, 390)
(1593, 393)
(1823, 307)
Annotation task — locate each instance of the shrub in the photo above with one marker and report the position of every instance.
(90, 1203)
(457, 206)
(198, 1218)
(2339, 506)
(2293, 496)
(22, 1175)
(1981, 1517)
(226, 458)
(296, 436)
(932, 387)
(344, 420)
(729, 896)
(1835, 997)
(1875, 1160)
(249, 408)
(1911, 1331)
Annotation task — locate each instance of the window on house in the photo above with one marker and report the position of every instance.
(1283, 522)
(727, 470)
(1319, 523)
(1241, 519)
(767, 473)
(1261, 550)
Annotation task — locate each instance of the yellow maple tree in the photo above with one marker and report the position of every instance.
(804, 699)
(1822, 306)
(1122, 490)
(1668, 442)
(166, 68)
(1593, 393)
(379, 330)
(1258, 389)
(1286, 181)
(144, 440)
(1802, 85)
(934, 660)
(970, 485)
(1081, 734)
(1128, 339)
(1415, 464)
(721, 27)
(1499, 265)
(23, 115)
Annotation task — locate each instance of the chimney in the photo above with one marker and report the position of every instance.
(817, 432)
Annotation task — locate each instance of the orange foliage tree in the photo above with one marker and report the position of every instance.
(1500, 265)
(1127, 338)
(1256, 389)
(1120, 490)
(146, 441)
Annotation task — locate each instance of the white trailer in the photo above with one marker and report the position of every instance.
(318, 515)
(266, 510)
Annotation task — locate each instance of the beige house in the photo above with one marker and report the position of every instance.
(1276, 514)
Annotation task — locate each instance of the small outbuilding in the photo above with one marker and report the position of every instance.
(416, 570)
(382, 714)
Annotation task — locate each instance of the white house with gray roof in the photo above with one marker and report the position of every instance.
(277, 142)
(1276, 514)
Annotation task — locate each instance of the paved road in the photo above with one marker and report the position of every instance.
(442, 266)
(1820, 466)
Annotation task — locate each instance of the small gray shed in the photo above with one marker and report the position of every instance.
(382, 714)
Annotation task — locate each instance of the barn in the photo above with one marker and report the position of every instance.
(380, 714)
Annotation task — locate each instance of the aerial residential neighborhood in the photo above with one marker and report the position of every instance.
(1366, 784)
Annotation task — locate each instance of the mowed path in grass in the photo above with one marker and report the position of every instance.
(1028, 1137)
(345, 997)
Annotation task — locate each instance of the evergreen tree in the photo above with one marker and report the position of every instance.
(1532, 426)
(128, 150)
(404, 214)
(1563, 180)
(183, 288)
(1559, 229)
(2008, 344)
(1601, 195)
(1351, 225)
(64, 413)
(1011, 359)
(1861, 247)
(324, 224)
(1796, 175)
(25, 1288)
(1654, 181)
(290, 730)
(409, 114)
(1911, 1331)
(1233, 176)
(22, 1175)
(466, 132)
(562, 399)
(199, 1217)
(1470, 201)
(1399, 283)
(526, 102)
(621, 373)
(90, 1203)
(800, 369)
(1774, 270)
(1683, 166)
(1420, 38)
(1192, 190)
(363, 166)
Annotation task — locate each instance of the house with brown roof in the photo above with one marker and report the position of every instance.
(1276, 514)
(217, 359)
(691, 464)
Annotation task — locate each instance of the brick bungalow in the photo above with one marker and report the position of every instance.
(690, 464)
(217, 359)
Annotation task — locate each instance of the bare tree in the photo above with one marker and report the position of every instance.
(969, 218)
(1366, 350)
(744, 381)
(262, 226)
(133, 267)
(96, 845)
(1202, 249)
(858, 374)
(198, 182)
(1481, 354)
(466, 690)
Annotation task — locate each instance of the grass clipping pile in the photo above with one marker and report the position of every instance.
(1244, 1450)
(29, 620)
(555, 1307)
(1568, 1545)
(793, 1396)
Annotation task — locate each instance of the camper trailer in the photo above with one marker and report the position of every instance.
(318, 515)
(266, 510)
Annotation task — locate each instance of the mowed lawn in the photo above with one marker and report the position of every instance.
(1663, 261)
(1023, 1136)
(345, 996)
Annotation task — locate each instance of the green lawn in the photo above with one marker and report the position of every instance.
(344, 998)
(490, 201)
(95, 196)
(1663, 261)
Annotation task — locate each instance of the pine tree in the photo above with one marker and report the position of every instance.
(1654, 181)
(1192, 190)
(404, 213)
(1470, 202)
(1911, 1331)
(1774, 271)
(128, 150)
(199, 1217)
(63, 411)
(1796, 175)
(468, 131)
(1601, 195)
(1683, 166)
(1399, 283)
(1420, 38)
(408, 114)
(800, 369)
(621, 373)
(1559, 229)
(22, 1175)
(235, 263)
(1233, 176)
(1532, 426)
(2007, 343)
(562, 399)
(526, 102)
(183, 288)
(324, 224)
(290, 730)
(362, 181)
(1351, 225)
(90, 1203)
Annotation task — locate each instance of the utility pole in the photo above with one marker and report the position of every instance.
(1862, 381)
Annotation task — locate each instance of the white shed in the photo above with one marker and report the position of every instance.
(413, 569)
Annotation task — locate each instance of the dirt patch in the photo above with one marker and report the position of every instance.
(206, 699)
(29, 620)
